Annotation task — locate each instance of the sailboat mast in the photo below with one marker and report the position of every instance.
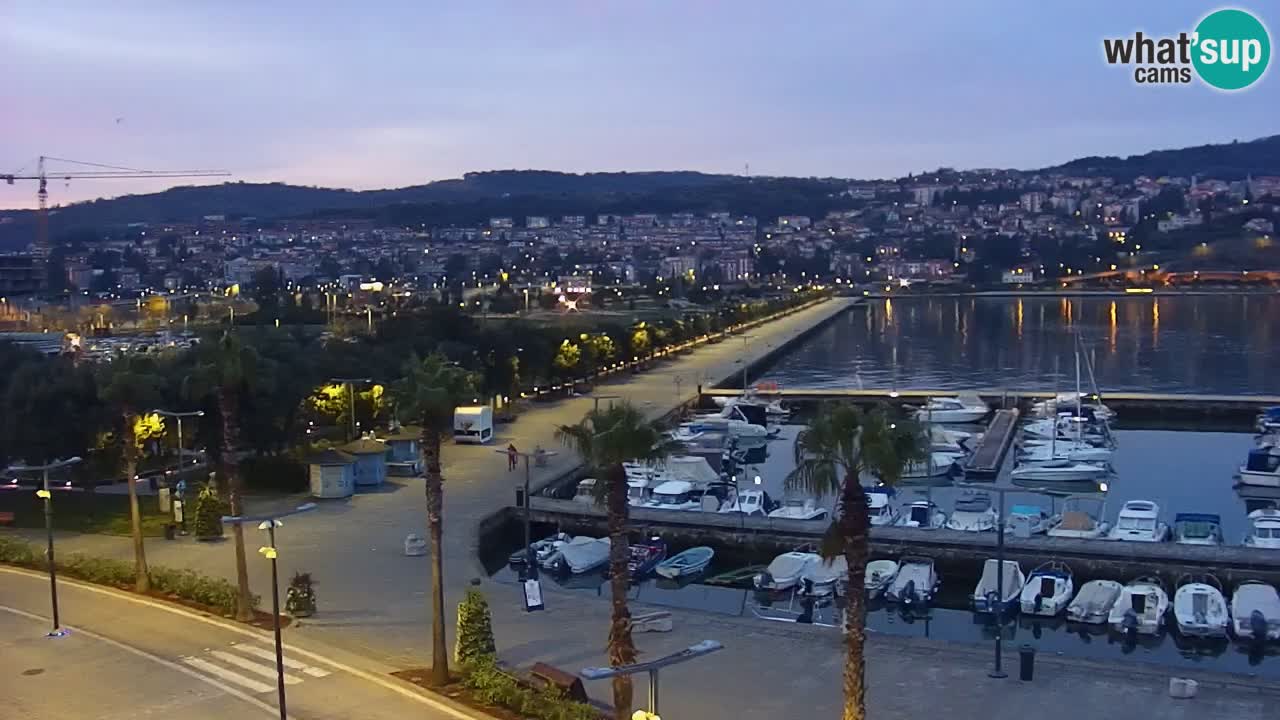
(1079, 411)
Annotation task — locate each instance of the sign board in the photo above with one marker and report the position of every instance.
(532, 595)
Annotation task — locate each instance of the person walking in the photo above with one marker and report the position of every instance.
(513, 457)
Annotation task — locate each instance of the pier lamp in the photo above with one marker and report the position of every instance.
(47, 496)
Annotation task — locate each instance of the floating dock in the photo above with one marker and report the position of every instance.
(957, 553)
(986, 459)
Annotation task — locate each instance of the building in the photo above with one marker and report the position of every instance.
(537, 222)
(21, 274)
(501, 223)
(1018, 276)
(1032, 202)
(737, 266)
(576, 221)
(678, 265)
(795, 222)
(79, 275)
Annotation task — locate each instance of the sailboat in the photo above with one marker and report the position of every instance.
(1052, 466)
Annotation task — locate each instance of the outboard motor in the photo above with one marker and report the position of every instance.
(909, 593)
(1258, 624)
(764, 581)
(1039, 602)
(1130, 623)
(806, 607)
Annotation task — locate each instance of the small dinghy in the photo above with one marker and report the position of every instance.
(1048, 590)
(880, 575)
(915, 582)
(1094, 602)
(645, 556)
(540, 550)
(686, 563)
(1255, 609)
(786, 570)
(1199, 608)
(987, 598)
(1140, 608)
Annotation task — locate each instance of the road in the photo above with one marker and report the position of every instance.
(128, 657)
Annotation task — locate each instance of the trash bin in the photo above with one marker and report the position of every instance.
(1027, 658)
(170, 531)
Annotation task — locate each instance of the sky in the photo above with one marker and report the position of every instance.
(386, 93)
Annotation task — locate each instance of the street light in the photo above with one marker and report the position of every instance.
(706, 647)
(48, 527)
(270, 523)
(531, 566)
(998, 610)
(178, 472)
(351, 395)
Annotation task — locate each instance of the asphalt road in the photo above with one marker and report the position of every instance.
(133, 658)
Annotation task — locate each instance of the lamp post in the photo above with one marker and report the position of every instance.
(178, 473)
(531, 566)
(745, 339)
(270, 523)
(48, 527)
(706, 647)
(998, 609)
(351, 397)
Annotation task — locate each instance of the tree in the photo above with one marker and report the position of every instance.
(567, 359)
(430, 391)
(131, 387)
(831, 454)
(475, 629)
(605, 439)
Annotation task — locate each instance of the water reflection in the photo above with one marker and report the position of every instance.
(1188, 344)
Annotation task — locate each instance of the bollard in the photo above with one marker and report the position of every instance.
(170, 531)
(1027, 657)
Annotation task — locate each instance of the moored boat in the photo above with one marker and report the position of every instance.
(686, 563)
(786, 570)
(1140, 608)
(989, 596)
(880, 575)
(1048, 590)
(1139, 521)
(1199, 609)
(915, 582)
(1092, 605)
(1255, 612)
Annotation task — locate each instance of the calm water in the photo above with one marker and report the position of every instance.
(1227, 344)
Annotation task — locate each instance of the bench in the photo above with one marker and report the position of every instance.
(6, 517)
(569, 685)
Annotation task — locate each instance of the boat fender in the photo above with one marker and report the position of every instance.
(1258, 624)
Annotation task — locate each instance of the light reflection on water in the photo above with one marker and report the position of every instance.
(1222, 344)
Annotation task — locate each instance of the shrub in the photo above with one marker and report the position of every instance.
(190, 585)
(475, 628)
(491, 686)
(300, 601)
(17, 552)
(103, 571)
(209, 509)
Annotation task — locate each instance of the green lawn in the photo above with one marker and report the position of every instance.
(79, 512)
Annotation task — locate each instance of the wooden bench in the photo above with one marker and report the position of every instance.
(6, 517)
(568, 684)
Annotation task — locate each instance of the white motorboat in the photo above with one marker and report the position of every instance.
(586, 491)
(1199, 609)
(923, 514)
(973, 513)
(1262, 467)
(1059, 471)
(1068, 401)
(915, 582)
(821, 578)
(786, 570)
(1064, 427)
(879, 507)
(735, 428)
(956, 442)
(1082, 519)
(1268, 419)
(1068, 450)
(989, 596)
(880, 575)
(541, 550)
(938, 464)
(1140, 608)
(1197, 529)
(1027, 520)
(580, 555)
(1255, 611)
(772, 407)
(965, 408)
(1264, 529)
(797, 509)
(685, 435)
(638, 490)
(685, 563)
(1094, 602)
(746, 502)
(1048, 590)
(674, 495)
(1139, 521)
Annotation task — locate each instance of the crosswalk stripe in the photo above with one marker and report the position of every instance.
(253, 667)
(289, 662)
(227, 675)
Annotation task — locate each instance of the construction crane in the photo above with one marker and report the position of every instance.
(99, 172)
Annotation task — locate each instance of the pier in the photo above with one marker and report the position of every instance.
(989, 455)
(958, 554)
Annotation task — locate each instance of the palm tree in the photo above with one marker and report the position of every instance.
(223, 370)
(604, 440)
(839, 444)
(430, 391)
(131, 385)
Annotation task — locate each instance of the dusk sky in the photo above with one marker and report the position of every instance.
(383, 94)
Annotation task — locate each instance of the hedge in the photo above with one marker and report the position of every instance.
(214, 593)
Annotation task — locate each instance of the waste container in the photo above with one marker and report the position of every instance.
(1027, 658)
(170, 531)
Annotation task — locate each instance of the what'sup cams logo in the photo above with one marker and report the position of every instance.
(1228, 50)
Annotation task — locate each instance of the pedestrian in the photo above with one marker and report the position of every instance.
(513, 456)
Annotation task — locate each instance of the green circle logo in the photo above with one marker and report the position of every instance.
(1231, 49)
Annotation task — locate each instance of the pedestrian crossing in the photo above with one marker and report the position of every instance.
(250, 666)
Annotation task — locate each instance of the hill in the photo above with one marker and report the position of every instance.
(1228, 161)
